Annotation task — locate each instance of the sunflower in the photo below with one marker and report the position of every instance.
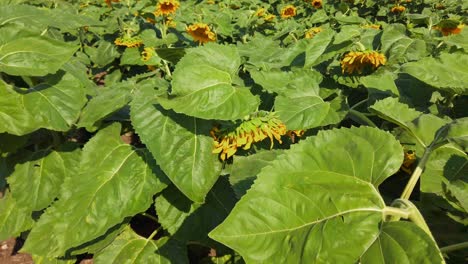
(312, 32)
(147, 54)
(256, 129)
(450, 30)
(129, 42)
(398, 9)
(166, 7)
(317, 4)
(109, 2)
(408, 161)
(260, 12)
(201, 33)
(372, 26)
(358, 60)
(269, 18)
(288, 11)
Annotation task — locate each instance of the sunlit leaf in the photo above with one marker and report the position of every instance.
(180, 144)
(115, 181)
(13, 219)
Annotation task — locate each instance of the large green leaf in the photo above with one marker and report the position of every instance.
(40, 177)
(13, 219)
(190, 222)
(421, 126)
(202, 85)
(244, 170)
(301, 112)
(402, 242)
(40, 17)
(115, 181)
(34, 56)
(14, 118)
(457, 132)
(129, 247)
(448, 73)
(108, 100)
(399, 47)
(319, 200)
(180, 144)
(56, 103)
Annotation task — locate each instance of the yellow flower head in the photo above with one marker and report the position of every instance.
(147, 54)
(109, 2)
(166, 7)
(358, 60)
(263, 125)
(269, 18)
(201, 33)
(317, 4)
(398, 9)
(372, 26)
(129, 42)
(450, 30)
(288, 11)
(312, 32)
(260, 12)
(408, 161)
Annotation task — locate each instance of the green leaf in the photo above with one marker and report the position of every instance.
(317, 46)
(399, 47)
(14, 118)
(115, 181)
(105, 53)
(109, 100)
(457, 132)
(13, 219)
(56, 103)
(301, 112)
(40, 177)
(445, 164)
(244, 170)
(45, 260)
(34, 56)
(337, 112)
(421, 126)
(402, 242)
(381, 84)
(180, 144)
(172, 55)
(129, 247)
(189, 222)
(40, 17)
(202, 85)
(314, 199)
(447, 73)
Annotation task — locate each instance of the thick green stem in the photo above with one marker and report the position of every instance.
(359, 103)
(362, 117)
(454, 247)
(416, 174)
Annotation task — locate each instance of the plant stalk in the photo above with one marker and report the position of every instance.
(454, 247)
(362, 117)
(416, 174)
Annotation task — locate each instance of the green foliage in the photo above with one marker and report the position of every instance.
(111, 113)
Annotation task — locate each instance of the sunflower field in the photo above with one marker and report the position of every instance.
(236, 131)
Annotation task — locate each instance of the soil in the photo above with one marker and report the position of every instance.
(9, 253)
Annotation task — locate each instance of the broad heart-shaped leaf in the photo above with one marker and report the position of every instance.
(190, 222)
(45, 260)
(105, 103)
(40, 177)
(301, 112)
(457, 132)
(129, 247)
(180, 144)
(115, 182)
(421, 126)
(14, 119)
(445, 164)
(319, 201)
(13, 219)
(202, 85)
(399, 47)
(56, 103)
(448, 73)
(34, 56)
(244, 170)
(299, 82)
(402, 242)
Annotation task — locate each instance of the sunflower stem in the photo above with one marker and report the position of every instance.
(362, 117)
(454, 247)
